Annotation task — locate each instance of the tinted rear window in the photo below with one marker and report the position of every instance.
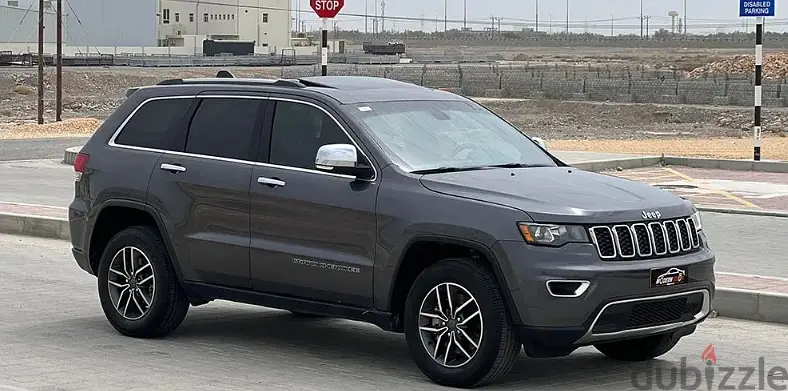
(152, 126)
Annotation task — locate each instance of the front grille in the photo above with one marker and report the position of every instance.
(644, 241)
(642, 314)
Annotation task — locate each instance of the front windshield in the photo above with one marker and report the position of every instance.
(429, 135)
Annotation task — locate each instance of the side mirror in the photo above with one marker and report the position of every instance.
(341, 159)
(332, 156)
(540, 141)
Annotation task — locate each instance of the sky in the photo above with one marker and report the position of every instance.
(705, 16)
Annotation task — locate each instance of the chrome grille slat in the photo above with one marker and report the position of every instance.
(645, 240)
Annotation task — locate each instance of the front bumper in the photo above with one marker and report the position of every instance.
(612, 286)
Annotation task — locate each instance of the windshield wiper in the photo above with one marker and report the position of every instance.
(518, 165)
(445, 169)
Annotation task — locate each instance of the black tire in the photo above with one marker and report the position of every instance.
(640, 349)
(169, 303)
(499, 347)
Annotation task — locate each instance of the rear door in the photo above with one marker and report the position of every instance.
(313, 232)
(202, 188)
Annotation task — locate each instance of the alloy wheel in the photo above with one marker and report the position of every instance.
(451, 325)
(132, 283)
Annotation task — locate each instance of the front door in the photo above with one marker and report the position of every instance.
(202, 190)
(313, 233)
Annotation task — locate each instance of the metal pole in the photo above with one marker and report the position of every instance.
(445, 16)
(756, 130)
(324, 48)
(465, 14)
(366, 15)
(641, 19)
(685, 18)
(611, 24)
(59, 98)
(40, 62)
(537, 16)
(567, 18)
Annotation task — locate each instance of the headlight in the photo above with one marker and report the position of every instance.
(552, 234)
(696, 220)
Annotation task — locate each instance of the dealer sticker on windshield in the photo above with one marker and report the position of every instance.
(668, 277)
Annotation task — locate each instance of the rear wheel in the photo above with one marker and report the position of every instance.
(457, 327)
(137, 285)
(640, 349)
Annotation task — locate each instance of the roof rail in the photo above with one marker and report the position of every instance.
(225, 79)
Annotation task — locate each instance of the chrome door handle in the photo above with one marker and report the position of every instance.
(273, 182)
(173, 167)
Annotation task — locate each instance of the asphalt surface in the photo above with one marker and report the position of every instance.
(37, 148)
(53, 336)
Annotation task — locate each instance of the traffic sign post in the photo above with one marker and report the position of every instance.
(325, 10)
(759, 10)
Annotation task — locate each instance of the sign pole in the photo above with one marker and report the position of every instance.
(324, 48)
(756, 131)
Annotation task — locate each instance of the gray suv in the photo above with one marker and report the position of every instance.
(368, 199)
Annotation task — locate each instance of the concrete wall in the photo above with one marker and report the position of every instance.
(111, 22)
(572, 83)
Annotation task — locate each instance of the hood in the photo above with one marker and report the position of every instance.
(561, 194)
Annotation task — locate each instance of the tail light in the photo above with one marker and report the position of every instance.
(80, 164)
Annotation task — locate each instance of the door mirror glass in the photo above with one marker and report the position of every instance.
(336, 156)
(540, 141)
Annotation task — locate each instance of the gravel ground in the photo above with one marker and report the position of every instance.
(91, 94)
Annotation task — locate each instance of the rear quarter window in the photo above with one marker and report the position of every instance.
(154, 124)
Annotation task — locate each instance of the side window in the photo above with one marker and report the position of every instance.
(152, 126)
(299, 131)
(224, 128)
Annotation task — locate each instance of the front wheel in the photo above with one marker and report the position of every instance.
(457, 327)
(640, 349)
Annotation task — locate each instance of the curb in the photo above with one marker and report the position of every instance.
(749, 212)
(751, 305)
(70, 155)
(38, 226)
(728, 302)
(613, 164)
(728, 164)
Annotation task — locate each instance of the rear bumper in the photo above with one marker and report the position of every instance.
(82, 260)
(616, 300)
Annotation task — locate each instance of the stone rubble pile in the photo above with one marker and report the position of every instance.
(775, 66)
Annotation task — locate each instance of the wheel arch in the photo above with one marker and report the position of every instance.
(102, 228)
(408, 267)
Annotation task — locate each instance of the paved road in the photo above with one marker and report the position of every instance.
(748, 244)
(53, 336)
(37, 148)
(44, 182)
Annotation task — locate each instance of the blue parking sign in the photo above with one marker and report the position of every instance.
(756, 8)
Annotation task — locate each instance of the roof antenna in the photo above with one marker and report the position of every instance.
(225, 75)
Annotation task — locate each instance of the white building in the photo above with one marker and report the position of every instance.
(184, 22)
(19, 24)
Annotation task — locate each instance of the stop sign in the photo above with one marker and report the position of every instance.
(326, 8)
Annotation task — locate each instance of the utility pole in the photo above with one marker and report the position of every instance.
(422, 20)
(641, 19)
(366, 16)
(465, 14)
(567, 18)
(445, 17)
(685, 18)
(611, 25)
(537, 16)
(647, 18)
(383, 16)
(59, 98)
(40, 62)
